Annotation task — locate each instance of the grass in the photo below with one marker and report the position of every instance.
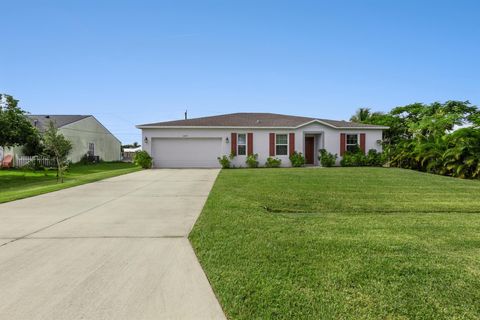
(342, 243)
(17, 184)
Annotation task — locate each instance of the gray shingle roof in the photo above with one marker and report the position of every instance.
(256, 120)
(41, 121)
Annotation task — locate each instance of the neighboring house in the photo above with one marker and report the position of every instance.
(129, 153)
(85, 132)
(198, 142)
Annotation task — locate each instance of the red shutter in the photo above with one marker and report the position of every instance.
(291, 143)
(249, 143)
(342, 144)
(272, 144)
(362, 142)
(234, 144)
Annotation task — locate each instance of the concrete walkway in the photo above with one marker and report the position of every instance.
(113, 249)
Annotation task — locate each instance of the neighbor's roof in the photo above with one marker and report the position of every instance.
(132, 149)
(41, 121)
(257, 120)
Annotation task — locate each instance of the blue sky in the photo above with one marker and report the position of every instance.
(132, 62)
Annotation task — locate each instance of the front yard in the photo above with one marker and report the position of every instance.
(17, 184)
(342, 243)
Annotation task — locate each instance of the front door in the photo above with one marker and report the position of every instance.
(309, 150)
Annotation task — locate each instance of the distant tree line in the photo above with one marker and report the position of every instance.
(440, 138)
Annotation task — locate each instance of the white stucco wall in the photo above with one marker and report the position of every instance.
(81, 133)
(329, 138)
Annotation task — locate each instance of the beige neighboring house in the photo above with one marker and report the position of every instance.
(85, 132)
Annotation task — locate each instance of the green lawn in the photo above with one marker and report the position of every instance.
(18, 184)
(342, 243)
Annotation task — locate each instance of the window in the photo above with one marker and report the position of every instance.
(91, 149)
(241, 144)
(281, 145)
(352, 142)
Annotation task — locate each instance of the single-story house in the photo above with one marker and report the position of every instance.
(85, 132)
(198, 142)
(129, 153)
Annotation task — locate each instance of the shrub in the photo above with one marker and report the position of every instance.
(359, 159)
(34, 165)
(273, 162)
(297, 159)
(374, 158)
(327, 159)
(252, 161)
(143, 159)
(353, 159)
(88, 159)
(225, 161)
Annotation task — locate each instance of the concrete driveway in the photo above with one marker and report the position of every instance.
(113, 249)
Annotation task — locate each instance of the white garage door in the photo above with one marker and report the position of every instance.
(186, 152)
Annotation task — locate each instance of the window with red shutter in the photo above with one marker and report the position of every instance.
(249, 143)
(233, 149)
(272, 144)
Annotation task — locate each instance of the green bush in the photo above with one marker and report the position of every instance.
(34, 165)
(358, 159)
(297, 159)
(353, 159)
(87, 159)
(143, 159)
(273, 162)
(375, 158)
(327, 159)
(225, 161)
(252, 161)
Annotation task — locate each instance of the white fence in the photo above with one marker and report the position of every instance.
(21, 161)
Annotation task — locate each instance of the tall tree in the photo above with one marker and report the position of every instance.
(56, 146)
(427, 137)
(362, 114)
(15, 128)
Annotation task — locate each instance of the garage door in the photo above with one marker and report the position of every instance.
(186, 152)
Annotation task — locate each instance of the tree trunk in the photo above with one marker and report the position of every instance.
(59, 170)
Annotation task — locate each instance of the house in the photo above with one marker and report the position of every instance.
(85, 132)
(198, 142)
(129, 153)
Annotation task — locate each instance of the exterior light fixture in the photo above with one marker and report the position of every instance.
(227, 141)
(145, 140)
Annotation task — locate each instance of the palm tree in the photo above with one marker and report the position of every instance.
(462, 159)
(362, 115)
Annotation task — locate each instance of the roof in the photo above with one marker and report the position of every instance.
(41, 121)
(132, 149)
(257, 120)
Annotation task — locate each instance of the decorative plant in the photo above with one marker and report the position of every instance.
(297, 159)
(359, 159)
(225, 161)
(143, 159)
(273, 162)
(252, 161)
(327, 159)
(374, 158)
(354, 159)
